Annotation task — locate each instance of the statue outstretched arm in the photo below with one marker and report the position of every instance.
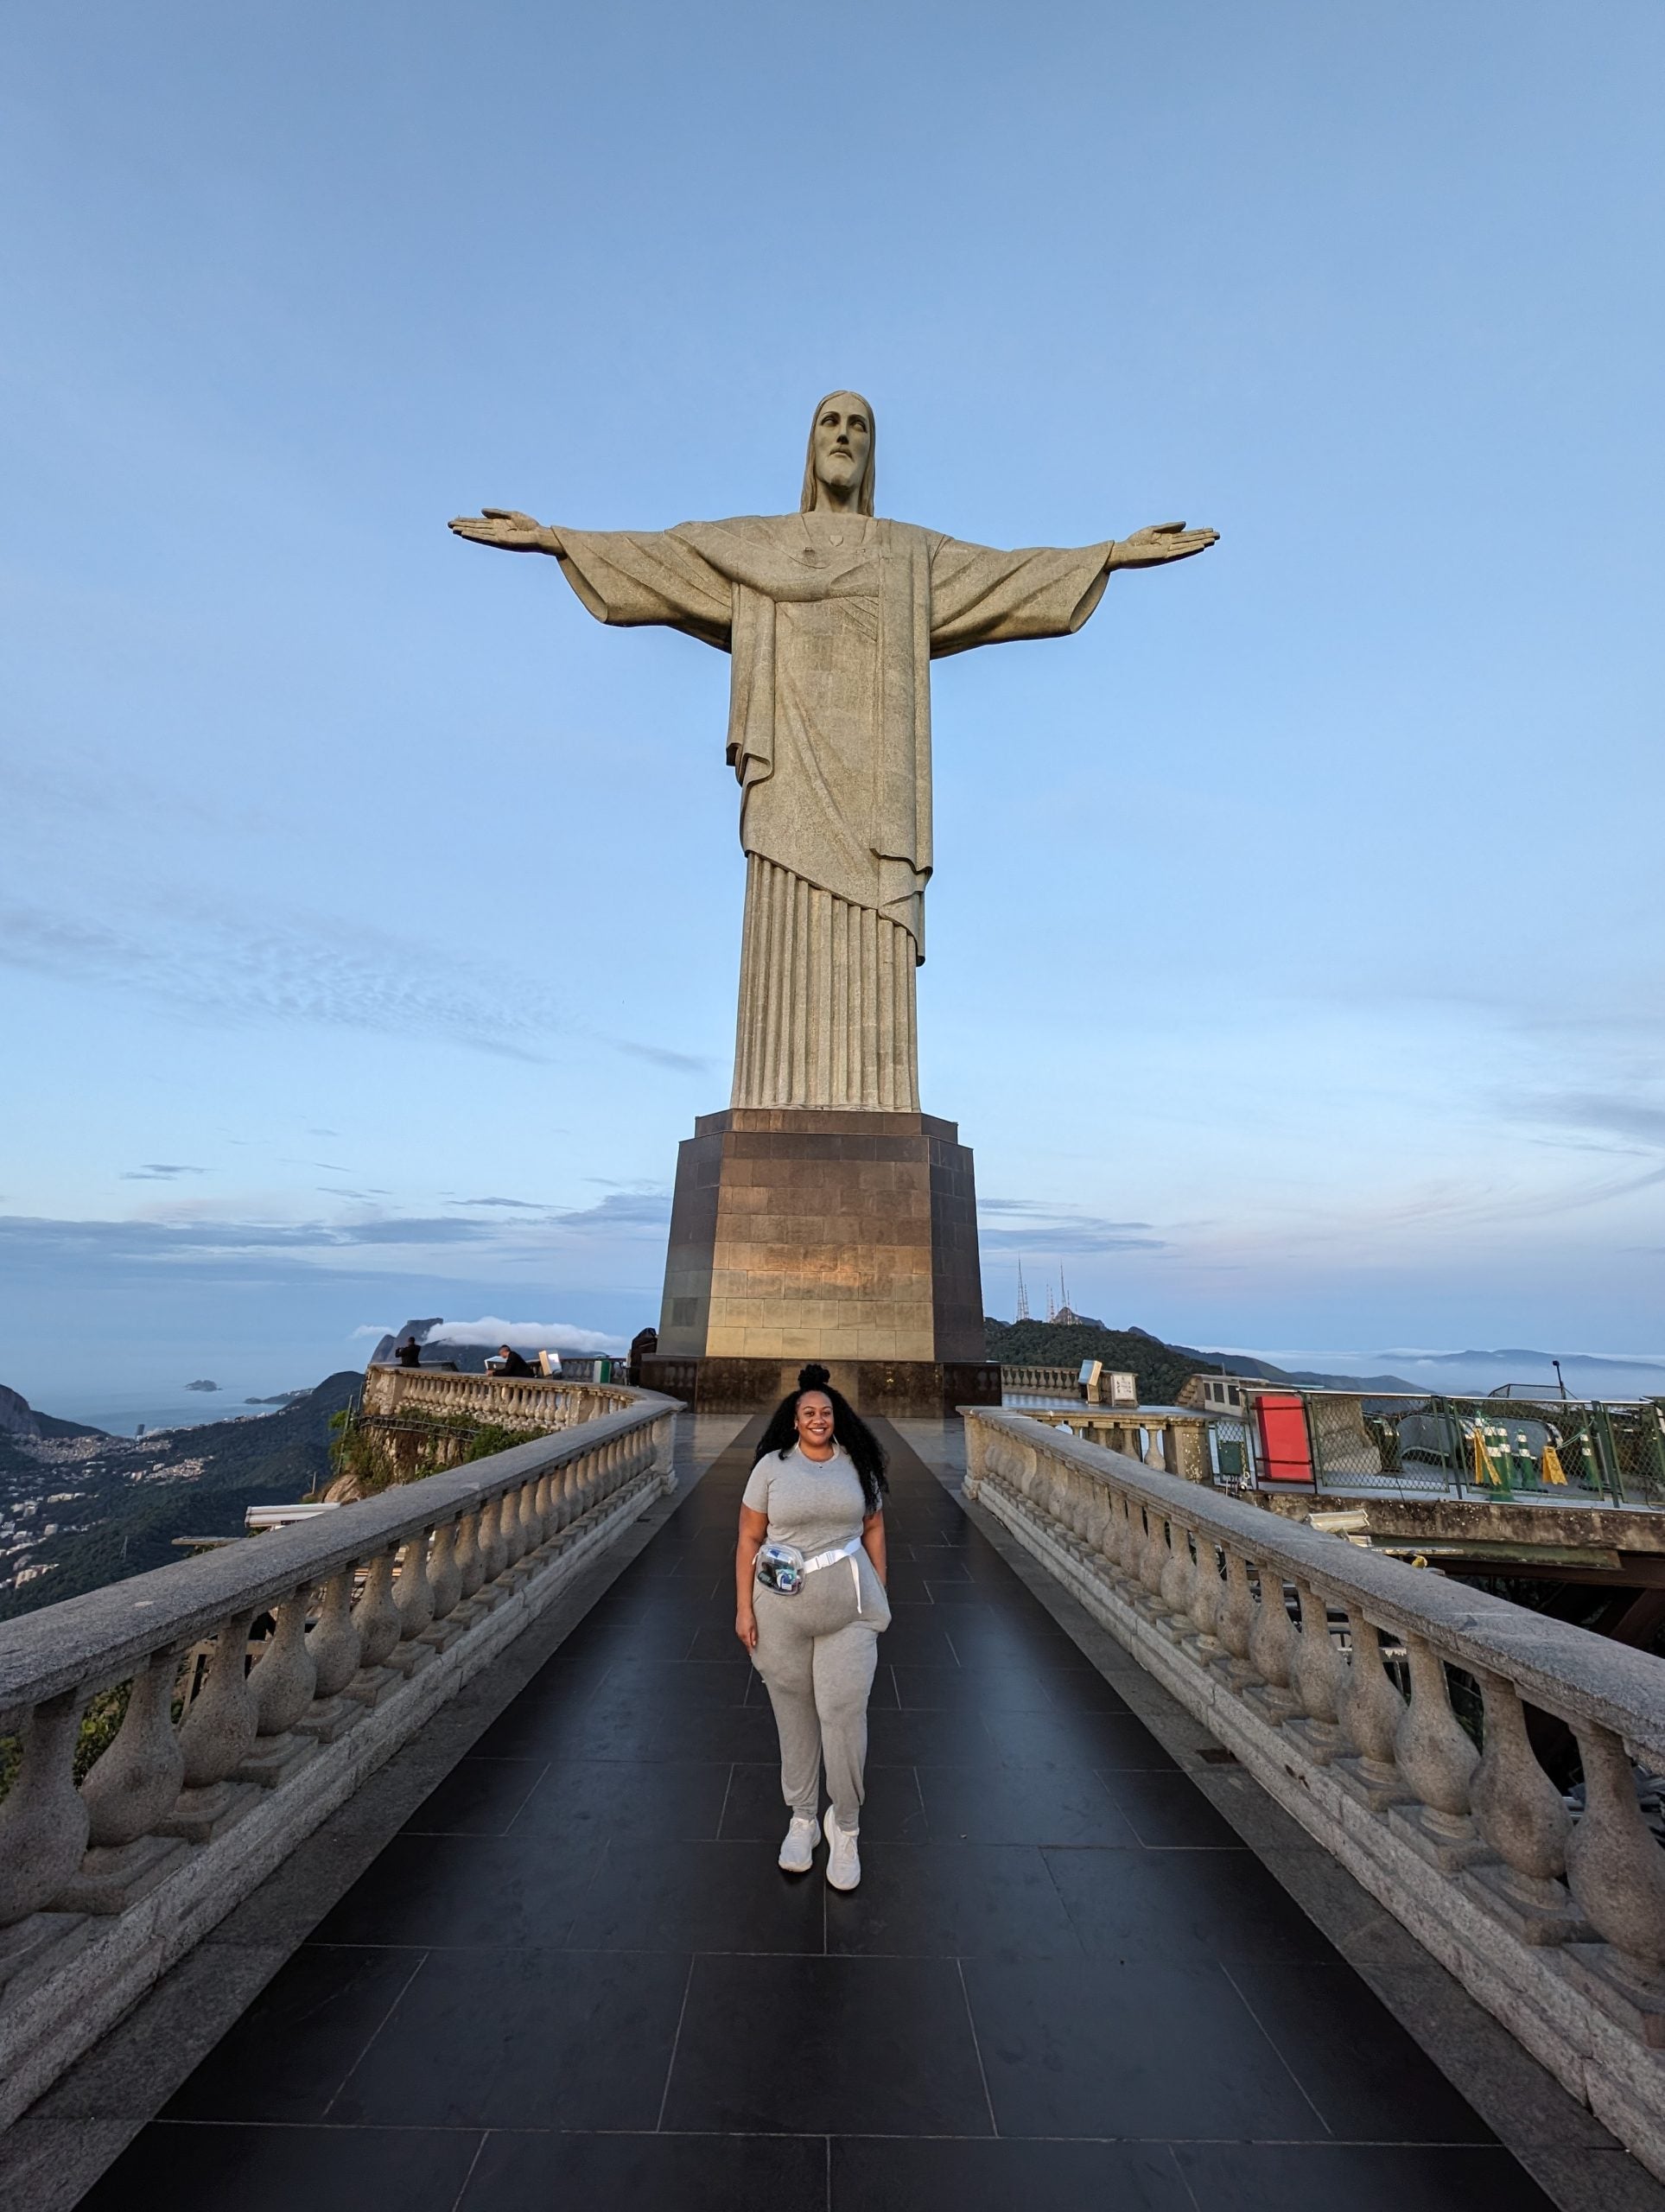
(626, 577)
(508, 529)
(1162, 541)
(980, 596)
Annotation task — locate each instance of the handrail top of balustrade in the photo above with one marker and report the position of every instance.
(95, 1640)
(485, 1374)
(1568, 1670)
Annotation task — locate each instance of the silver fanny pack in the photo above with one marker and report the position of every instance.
(780, 1566)
(783, 1566)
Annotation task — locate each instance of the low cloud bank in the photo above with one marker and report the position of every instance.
(525, 1336)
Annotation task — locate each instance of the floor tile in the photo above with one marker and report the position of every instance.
(1167, 1812)
(797, 2046)
(955, 1689)
(187, 2168)
(700, 1896)
(898, 2176)
(464, 1892)
(988, 1804)
(1074, 1689)
(963, 1900)
(1159, 2051)
(519, 2038)
(649, 2173)
(547, 1726)
(1189, 1907)
(1082, 1737)
(746, 1732)
(597, 1799)
(1361, 2070)
(899, 1739)
(647, 1688)
(1366, 2178)
(478, 1797)
(300, 2039)
(915, 1638)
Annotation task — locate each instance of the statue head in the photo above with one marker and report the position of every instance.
(842, 438)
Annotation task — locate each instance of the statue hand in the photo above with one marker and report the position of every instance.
(507, 528)
(1163, 541)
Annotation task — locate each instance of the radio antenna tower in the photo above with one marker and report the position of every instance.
(1023, 1296)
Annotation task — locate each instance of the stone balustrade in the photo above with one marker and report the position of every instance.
(378, 1612)
(1162, 1438)
(537, 1403)
(1278, 1638)
(1043, 1382)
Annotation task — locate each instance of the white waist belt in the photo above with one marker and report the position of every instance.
(832, 1559)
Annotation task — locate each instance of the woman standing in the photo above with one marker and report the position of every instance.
(810, 1609)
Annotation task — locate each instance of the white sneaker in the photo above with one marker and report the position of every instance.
(844, 1863)
(798, 1852)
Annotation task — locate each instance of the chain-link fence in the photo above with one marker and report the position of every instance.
(1573, 1451)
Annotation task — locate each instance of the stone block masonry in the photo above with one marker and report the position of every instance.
(847, 1237)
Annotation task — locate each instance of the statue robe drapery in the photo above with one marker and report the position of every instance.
(831, 620)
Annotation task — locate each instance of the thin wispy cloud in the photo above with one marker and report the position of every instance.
(159, 1170)
(214, 962)
(1053, 1229)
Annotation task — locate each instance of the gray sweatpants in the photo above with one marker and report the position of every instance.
(817, 1656)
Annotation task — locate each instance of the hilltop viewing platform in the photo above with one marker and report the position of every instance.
(1207, 1861)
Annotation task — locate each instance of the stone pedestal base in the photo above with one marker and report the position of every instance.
(885, 1387)
(849, 1238)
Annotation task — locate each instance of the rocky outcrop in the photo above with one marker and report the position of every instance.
(16, 1416)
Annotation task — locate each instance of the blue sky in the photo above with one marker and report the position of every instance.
(369, 917)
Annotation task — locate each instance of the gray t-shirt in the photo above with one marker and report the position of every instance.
(817, 1505)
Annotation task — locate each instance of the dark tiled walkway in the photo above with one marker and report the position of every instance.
(577, 1978)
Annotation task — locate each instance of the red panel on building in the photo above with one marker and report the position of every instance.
(1280, 1423)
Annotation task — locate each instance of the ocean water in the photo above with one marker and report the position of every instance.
(120, 1409)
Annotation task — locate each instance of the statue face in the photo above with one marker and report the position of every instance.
(843, 439)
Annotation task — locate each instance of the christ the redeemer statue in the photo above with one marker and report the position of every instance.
(832, 617)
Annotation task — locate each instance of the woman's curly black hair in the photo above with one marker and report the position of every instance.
(867, 1453)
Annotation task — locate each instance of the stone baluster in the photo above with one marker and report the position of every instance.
(1152, 1555)
(1370, 1709)
(1131, 1541)
(1178, 1576)
(1614, 1867)
(43, 1818)
(1235, 1623)
(219, 1729)
(544, 1505)
(1207, 1594)
(1272, 1641)
(471, 1563)
(285, 1675)
(444, 1573)
(1518, 1811)
(531, 1521)
(509, 1525)
(334, 1642)
(1096, 1523)
(1318, 1669)
(1437, 1759)
(376, 1616)
(133, 1785)
(415, 1593)
(664, 1450)
(493, 1552)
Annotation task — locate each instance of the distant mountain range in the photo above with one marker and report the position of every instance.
(1162, 1370)
(118, 1502)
